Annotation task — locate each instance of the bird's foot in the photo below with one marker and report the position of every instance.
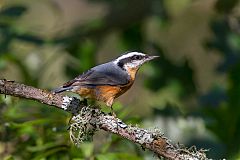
(113, 114)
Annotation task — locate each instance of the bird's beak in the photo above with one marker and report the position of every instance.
(149, 58)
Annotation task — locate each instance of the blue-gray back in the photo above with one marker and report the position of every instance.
(104, 74)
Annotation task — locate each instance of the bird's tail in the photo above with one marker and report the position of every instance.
(62, 89)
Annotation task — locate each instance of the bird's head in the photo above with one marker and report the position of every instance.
(132, 60)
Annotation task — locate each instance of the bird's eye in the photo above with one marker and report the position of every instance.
(136, 57)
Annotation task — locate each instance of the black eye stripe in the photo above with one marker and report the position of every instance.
(124, 61)
(129, 59)
(136, 57)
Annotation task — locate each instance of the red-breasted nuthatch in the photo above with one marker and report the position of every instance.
(107, 81)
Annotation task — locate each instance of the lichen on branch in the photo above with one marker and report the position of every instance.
(86, 120)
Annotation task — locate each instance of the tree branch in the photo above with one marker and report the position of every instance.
(87, 119)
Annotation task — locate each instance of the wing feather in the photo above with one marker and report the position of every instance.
(105, 74)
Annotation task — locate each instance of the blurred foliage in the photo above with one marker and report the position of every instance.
(225, 6)
(85, 53)
(227, 113)
(175, 92)
(167, 72)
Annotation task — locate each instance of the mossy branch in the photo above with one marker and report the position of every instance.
(87, 119)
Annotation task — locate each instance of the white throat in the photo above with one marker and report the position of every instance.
(129, 66)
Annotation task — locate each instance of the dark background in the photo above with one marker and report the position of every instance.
(191, 93)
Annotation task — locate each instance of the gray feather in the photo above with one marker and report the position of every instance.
(104, 74)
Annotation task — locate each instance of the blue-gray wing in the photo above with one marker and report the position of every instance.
(105, 74)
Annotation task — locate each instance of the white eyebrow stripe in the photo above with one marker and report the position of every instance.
(130, 54)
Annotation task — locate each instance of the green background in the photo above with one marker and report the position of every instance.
(191, 93)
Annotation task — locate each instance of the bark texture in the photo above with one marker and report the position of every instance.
(87, 119)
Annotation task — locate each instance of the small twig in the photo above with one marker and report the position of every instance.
(86, 120)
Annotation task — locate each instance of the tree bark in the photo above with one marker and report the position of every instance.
(85, 117)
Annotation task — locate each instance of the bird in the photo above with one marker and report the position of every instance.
(107, 81)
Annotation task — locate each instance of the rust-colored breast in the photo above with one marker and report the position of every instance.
(86, 92)
(103, 93)
(132, 72)
(106, 93)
